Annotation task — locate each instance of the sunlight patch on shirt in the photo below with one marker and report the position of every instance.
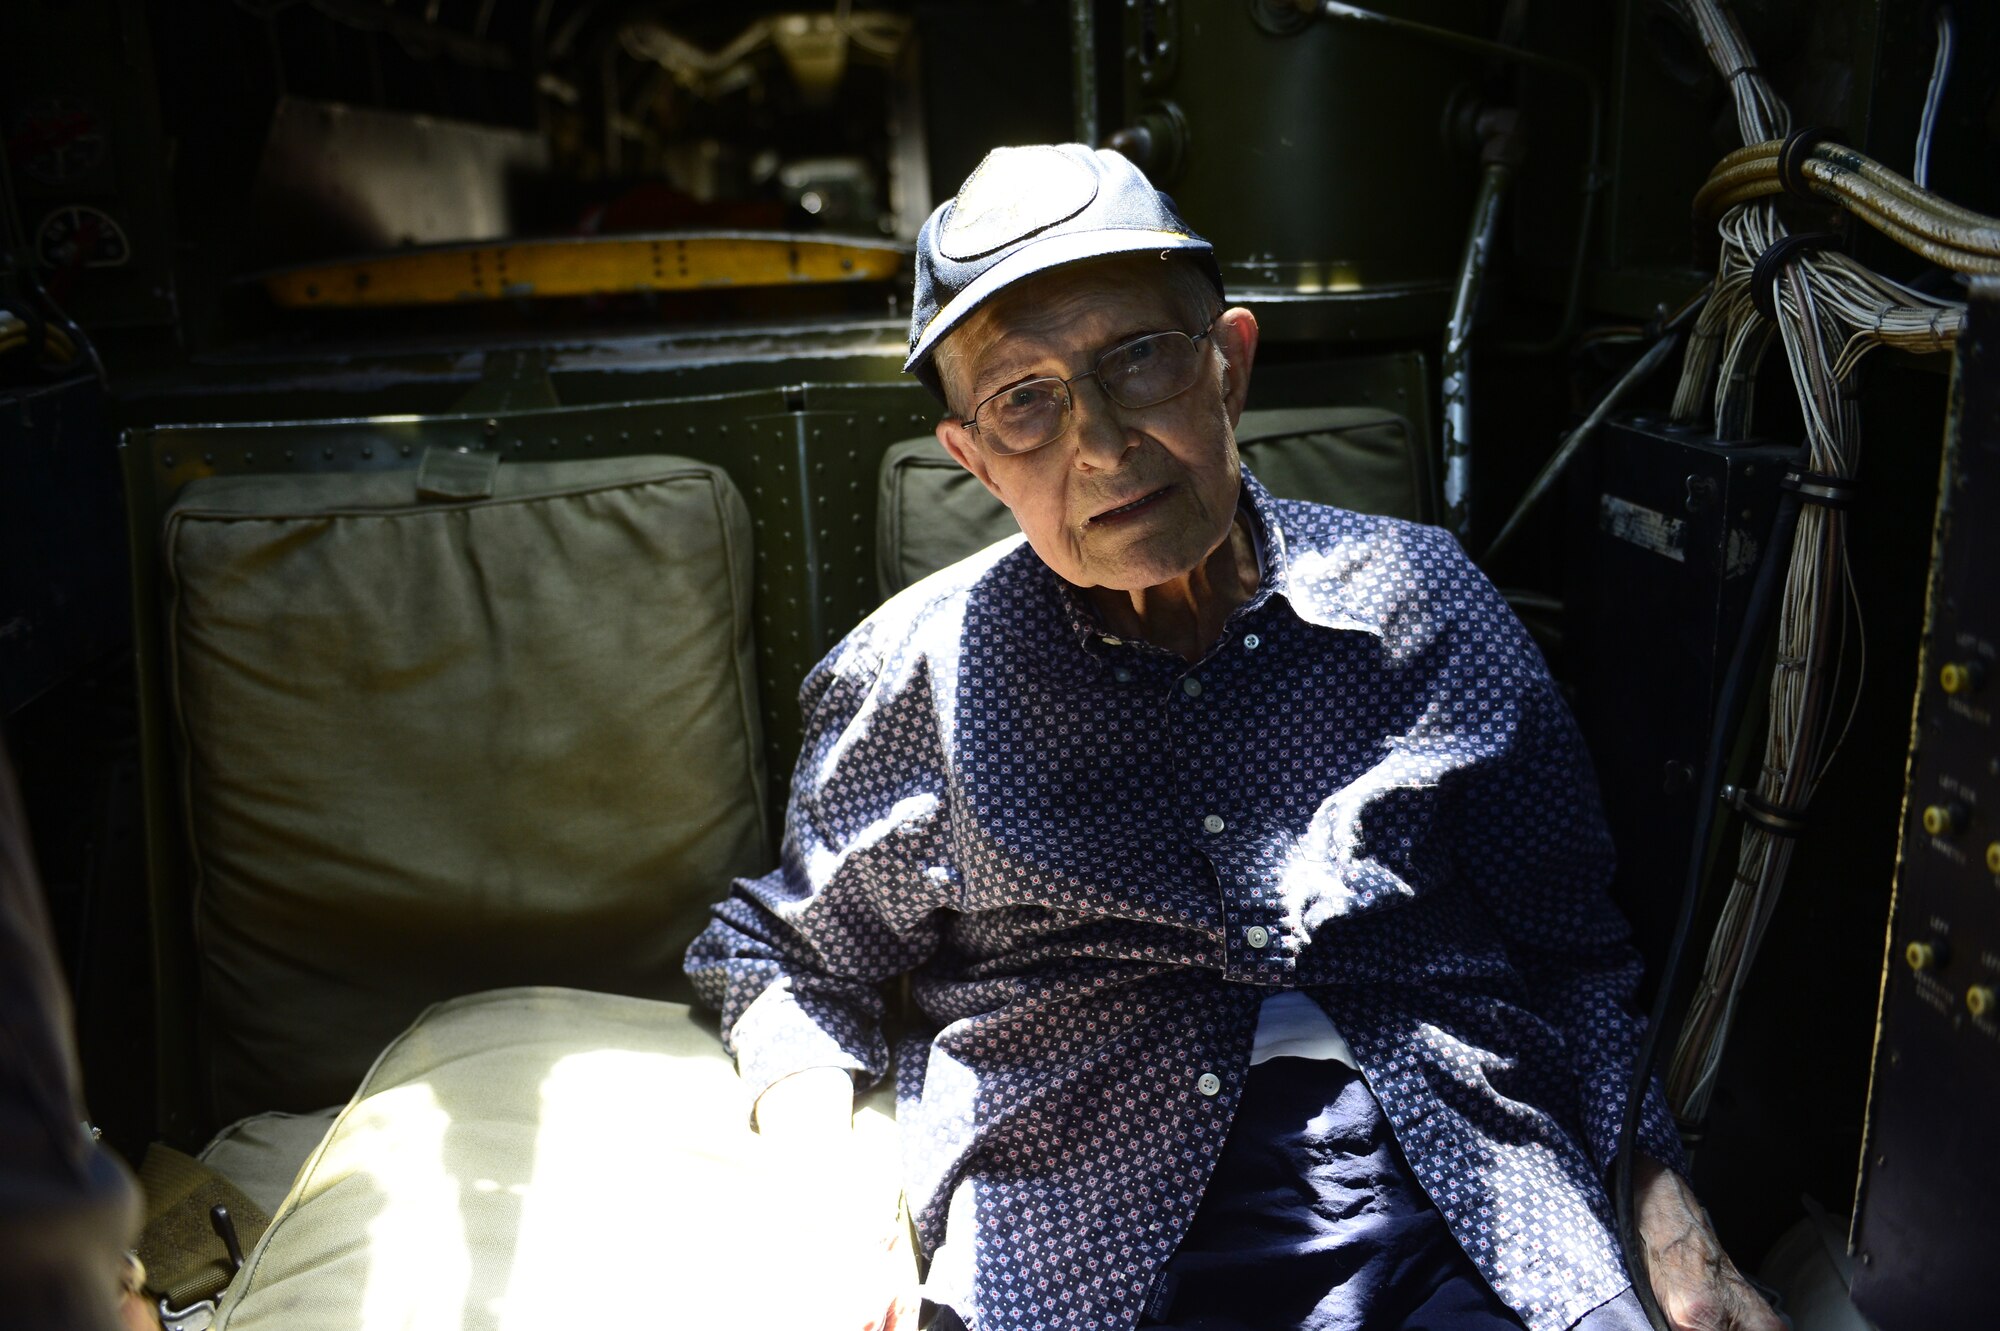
(907, 813)
(1313, 885)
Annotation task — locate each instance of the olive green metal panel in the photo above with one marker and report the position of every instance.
(1312, 153)
(464, 371)
(178, 1117)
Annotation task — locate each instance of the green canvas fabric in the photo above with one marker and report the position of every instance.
(932, 512)
(184, 1257)
(547, 1157)
(438, 746)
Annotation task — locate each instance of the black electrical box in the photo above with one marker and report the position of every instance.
(1668, 525)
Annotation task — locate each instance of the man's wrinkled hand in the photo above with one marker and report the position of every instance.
(809, 1111)
(843, 1260)
(1697, 1286)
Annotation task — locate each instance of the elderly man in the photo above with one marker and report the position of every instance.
(1241, 855)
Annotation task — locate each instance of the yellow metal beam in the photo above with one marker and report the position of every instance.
(581, 266)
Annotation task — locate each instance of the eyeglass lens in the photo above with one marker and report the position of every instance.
(1140, 373)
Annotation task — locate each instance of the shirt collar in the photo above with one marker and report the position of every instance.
(1316, 601)
(1325, 601)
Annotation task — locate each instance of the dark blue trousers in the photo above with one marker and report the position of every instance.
(1313, 1222)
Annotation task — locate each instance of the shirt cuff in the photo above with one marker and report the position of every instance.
(775, 1037)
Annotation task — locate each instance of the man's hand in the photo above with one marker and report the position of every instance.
(813, 1108)
(1698, 1287)
(844, 1263)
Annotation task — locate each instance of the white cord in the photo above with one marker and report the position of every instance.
(1934, 96)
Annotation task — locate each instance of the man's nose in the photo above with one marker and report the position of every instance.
(1098, 425)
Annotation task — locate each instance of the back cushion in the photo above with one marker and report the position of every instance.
(932, 512)
(434, 746)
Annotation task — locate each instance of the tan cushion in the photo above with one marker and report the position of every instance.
(438, 746)
(932, 512)
(549, 1158)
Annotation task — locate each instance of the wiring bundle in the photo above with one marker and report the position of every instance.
(1826, 312)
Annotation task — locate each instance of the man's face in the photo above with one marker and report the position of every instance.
(1121, 499)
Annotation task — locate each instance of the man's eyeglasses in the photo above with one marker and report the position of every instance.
(1141, 373)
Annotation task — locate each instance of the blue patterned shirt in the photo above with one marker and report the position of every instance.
(1094, 860)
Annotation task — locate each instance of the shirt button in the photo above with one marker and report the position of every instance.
(1257, 935)
(1122, 675)
(1213, 823)
(1208, 1084)
(1191, 687)
(1252, 642)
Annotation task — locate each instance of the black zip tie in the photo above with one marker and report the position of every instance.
(1817, 487)
(1773, 819)
(1764, 274)
(1792, 157)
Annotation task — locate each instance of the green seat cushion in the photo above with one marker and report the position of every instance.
(263, 1153)
(439, 745)
(544, 1157)
(932, 512)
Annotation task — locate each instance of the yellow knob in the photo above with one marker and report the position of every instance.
(1981, 1001)
(1961, 676)
(1921, 956)
(1943, 819)
(1993, 857)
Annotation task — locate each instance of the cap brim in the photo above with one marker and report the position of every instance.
(1053, 252)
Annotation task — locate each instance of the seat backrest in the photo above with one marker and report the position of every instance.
(448, 729)
(932, 512)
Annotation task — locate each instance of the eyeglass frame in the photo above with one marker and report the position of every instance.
(1094, 372)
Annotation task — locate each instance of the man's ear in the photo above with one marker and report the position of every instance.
(1236, 334)
(958, 441)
